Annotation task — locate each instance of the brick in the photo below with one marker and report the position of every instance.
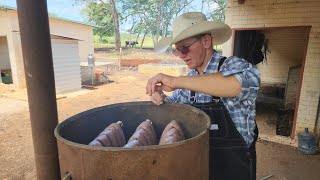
(299, 9)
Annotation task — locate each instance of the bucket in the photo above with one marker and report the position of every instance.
(6, 79)
(307, 142)
(187, 159)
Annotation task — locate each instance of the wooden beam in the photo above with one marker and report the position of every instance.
(241, 1)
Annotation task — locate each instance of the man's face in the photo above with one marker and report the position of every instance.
(191, 51)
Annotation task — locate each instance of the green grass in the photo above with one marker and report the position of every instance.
(109, 42)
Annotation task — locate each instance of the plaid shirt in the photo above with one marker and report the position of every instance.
(242, 108)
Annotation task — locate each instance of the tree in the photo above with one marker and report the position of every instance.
(219, 10)
(116, 24)
(172, 8)
(106, 8)
(148, 16)
(100, 15)
(153, 16)
(143, 13)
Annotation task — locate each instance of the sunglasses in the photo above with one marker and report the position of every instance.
(186, 49)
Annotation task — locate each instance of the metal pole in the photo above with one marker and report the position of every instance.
(37, 56)
(91, 76)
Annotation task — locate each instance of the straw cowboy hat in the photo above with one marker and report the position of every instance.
(191, 24)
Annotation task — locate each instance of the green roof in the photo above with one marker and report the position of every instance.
(5, 8)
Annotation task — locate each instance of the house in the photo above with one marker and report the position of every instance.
(291, 30)
(71, 43)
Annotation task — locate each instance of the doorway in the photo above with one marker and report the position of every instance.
(279, 54)
(5, 67)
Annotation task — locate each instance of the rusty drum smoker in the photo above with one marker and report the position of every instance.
(186, 159)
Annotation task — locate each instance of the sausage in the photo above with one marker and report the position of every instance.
(95, 143)
(178, 128)
(174, 124)
(106, 138)
(172, 133)
(145, 134)
(170, 140)
(154, 134)
(119, 125)
(118, 133)
(166, 129)
(147, 126)
(171, 136)
(175, 132)
(111, 136)
(139, 135)
(133, 143)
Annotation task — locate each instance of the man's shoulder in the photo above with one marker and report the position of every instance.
(237, 62)
(236, 65)
(236, 58)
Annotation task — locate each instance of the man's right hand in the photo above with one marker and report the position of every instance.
(162, 80)
(158, 96)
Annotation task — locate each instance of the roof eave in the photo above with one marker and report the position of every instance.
(5, 8)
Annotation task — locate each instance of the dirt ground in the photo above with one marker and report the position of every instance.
(281, 162)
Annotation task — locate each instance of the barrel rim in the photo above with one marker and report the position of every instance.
(139, 148)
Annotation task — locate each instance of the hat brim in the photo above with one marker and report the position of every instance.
(219, 31)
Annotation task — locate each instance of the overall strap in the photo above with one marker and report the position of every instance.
(193, 93)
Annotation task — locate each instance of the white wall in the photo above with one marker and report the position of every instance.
(3, 23)
(4, 54)
(10, 27)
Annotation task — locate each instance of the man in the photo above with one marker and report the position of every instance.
(224, 88)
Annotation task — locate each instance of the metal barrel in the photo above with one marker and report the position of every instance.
(187, 159)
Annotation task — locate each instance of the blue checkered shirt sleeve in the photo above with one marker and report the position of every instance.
(242, 108)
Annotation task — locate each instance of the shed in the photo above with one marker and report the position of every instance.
(291, 46)
(71, 42)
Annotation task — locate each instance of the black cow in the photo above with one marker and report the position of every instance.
(131, 43)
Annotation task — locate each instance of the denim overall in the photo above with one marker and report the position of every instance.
(229, 157)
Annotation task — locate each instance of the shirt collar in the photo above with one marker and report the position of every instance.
(215, 57)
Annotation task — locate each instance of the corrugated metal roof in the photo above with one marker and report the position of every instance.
(55, 36)
(5, 8)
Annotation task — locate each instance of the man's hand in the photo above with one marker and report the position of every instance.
(162, 81)
(158, 96)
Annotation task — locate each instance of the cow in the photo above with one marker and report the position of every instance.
(131, 43)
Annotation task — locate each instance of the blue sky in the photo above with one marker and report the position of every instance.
(62, 8)
(67, 9)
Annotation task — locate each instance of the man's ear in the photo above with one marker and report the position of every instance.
(207, 41)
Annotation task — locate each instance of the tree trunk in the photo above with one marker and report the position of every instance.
(159, 19)
(202, 5)
(131, 29)
(166, 31)
(137, 40)
(154, 40)
(137, 37)
(116, 25)
(143, 40)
